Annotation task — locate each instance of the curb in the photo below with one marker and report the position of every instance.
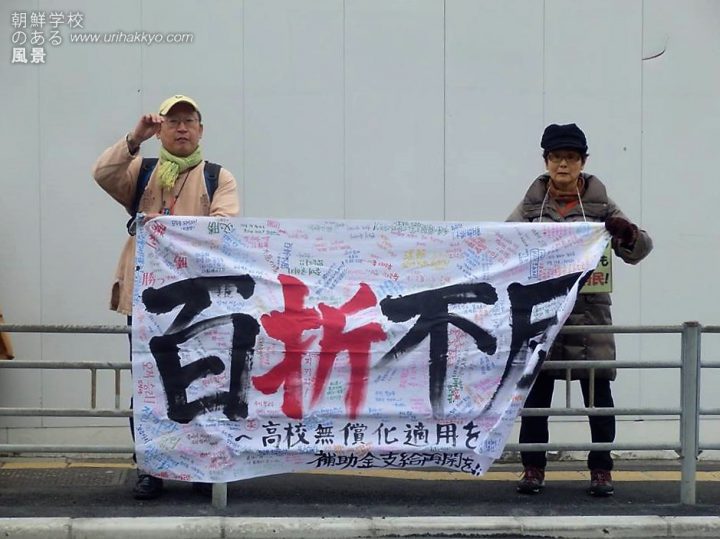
(347, 528)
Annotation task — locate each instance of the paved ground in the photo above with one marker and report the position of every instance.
(98, 489)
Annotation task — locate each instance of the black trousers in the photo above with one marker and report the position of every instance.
(535, 429)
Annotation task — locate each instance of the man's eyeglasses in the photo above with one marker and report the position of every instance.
(569, 157)
(175, 122)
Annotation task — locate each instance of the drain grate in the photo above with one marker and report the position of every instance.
(65, 477)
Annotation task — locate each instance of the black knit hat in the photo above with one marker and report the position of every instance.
(563, 137)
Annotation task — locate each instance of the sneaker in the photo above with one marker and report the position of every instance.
(601, 483)
(147, 487)
(532, 481)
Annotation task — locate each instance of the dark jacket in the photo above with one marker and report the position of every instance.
(589, 309)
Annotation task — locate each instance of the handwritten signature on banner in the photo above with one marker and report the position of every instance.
(270, 341)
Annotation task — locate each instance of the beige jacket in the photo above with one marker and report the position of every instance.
(116, 171)
(6, 349)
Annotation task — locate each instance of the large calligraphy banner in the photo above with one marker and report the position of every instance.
(269, 346)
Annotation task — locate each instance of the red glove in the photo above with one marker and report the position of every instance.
(622, 230)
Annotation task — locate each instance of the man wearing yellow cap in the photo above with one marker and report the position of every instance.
(175, 187)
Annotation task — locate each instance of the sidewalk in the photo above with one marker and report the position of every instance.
(91, 498)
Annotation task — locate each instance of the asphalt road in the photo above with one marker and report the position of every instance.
(42, 488)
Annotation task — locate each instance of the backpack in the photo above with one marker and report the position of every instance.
(211, 173)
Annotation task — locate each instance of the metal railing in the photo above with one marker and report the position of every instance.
(688, 446)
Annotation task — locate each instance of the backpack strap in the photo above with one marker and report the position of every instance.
(146, 170)
(212, 175)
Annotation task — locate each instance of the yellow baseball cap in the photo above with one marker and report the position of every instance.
(170, 102)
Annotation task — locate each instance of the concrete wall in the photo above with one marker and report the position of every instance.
(318, 105)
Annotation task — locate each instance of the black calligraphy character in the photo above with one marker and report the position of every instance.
(383, 435)
(194, 296)
(446, 434)
(297, 430)
(529, 330)
(358, 433)
(324, 435)
(472, 434)
(522, 300)
(432, 306)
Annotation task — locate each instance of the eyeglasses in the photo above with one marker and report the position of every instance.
(175, 122)
(569, 157)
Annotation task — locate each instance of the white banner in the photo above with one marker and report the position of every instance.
(270, 346)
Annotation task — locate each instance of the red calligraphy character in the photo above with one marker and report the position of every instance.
(181, 262)
(157, 229)
(148, 278)
(288, 326)
(356, 342)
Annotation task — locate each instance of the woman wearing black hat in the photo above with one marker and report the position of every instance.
(566, 193)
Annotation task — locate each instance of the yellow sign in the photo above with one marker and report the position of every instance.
(600, 279)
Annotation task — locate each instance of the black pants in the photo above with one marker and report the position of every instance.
(535, 429)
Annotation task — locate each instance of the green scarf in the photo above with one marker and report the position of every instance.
(171, 166)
